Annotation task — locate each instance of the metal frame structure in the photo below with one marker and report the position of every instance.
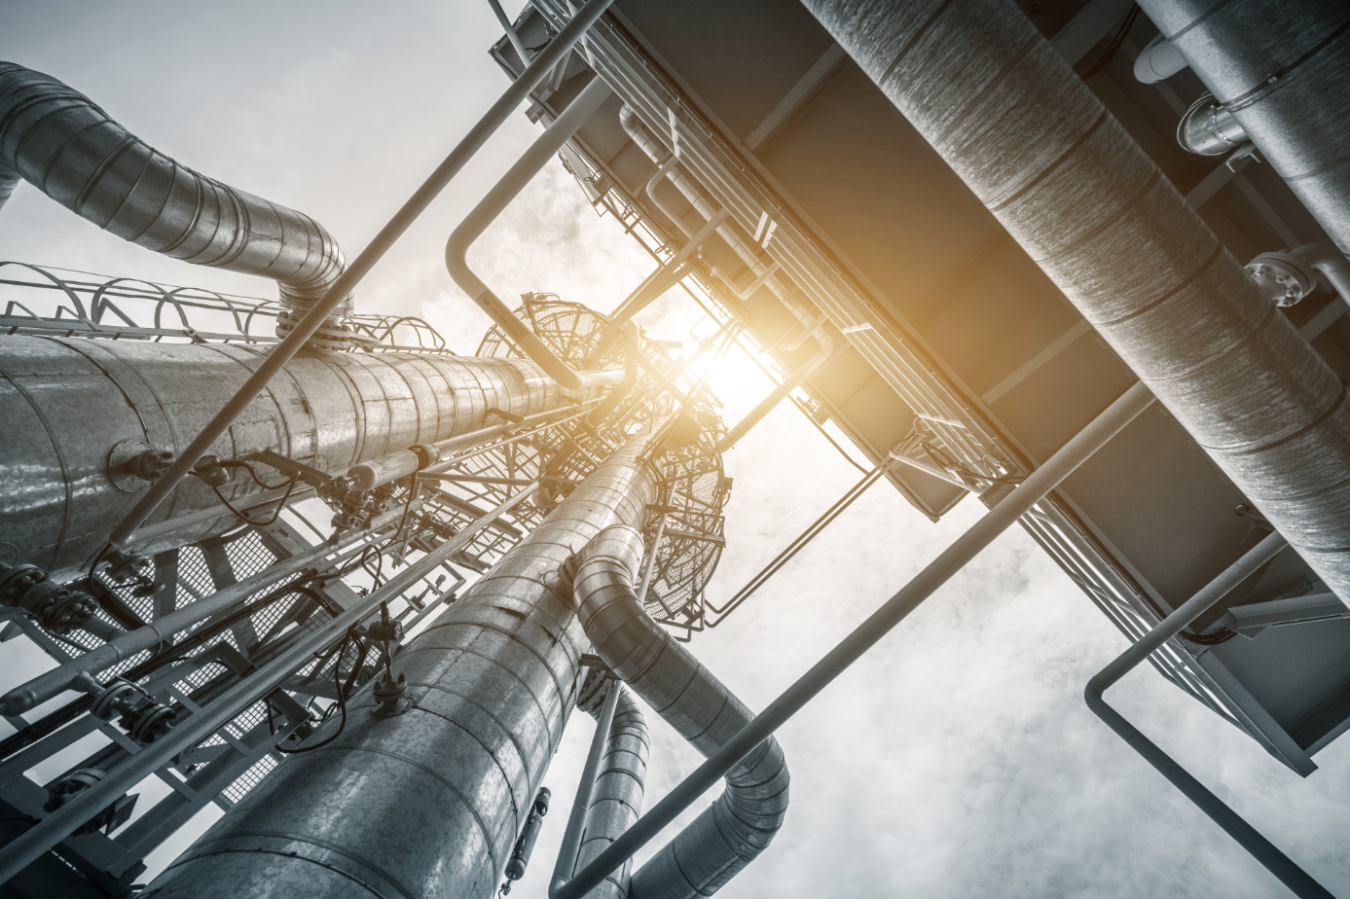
(956, 444)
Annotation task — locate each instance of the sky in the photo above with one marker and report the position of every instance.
(955, 760)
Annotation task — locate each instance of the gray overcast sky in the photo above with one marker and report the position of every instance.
(957, 760)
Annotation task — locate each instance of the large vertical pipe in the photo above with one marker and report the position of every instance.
(992, 96)
(616, 800)
(1281, 68)
(428, 804)
(67, 403)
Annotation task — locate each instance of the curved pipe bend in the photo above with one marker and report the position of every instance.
(59, 141)
(741, 823)
(502, 193)
(667, 168)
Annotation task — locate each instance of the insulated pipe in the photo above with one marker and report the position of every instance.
(1281, 69)
(59, 141)
(159, 632)
(70, 403)
(429, 803)
(1279, 864)
(667, 164)
(186, 734)
(531, 162)
(616, 801)
(1158, 61)
(983, 86)
(576, 819)
(866, 635)
(471, 143)
(739, 825)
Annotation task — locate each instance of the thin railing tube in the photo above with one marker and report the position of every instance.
(530, 163)
(1261, 849)
(361, 266)
(802, 539)
(650, 566)
(51, 830)
(1031, 491)
(511, 35)
(255, 501)
(576, 819)
(770, 402)
(661, 280)
(158, 632)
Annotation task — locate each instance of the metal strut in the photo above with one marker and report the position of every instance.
(1275, 861)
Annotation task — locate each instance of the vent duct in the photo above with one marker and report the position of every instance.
(56, 139)
(719, 843)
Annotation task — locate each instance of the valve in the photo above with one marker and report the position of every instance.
(211, 472)
(56, 608)
(144, 719)
(388, 690)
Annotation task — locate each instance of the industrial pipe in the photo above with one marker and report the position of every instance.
(36, 841)
(78, 402)
(59, 141)
(1158, 61)
(1279, 864)
(159, 632)
(1281, 69)
(866, 635)
(1207, 128)
(656, 284)
(1290, 275)
(471, 143)
(531, 162)
(667, 167)
(740, 824)
(770, 402)
(576, 818)
(616, 800)
(429, 803)
(980, 83)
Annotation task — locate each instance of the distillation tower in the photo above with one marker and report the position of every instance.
(308, 565)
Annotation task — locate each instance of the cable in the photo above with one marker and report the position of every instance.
(281, 504)
(1117, 41)
(341, 698)
(234, 463)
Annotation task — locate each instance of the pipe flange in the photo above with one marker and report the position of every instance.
(389, 695)
(149, 722)
(331, 335)
(133, 464)
(1282, 278)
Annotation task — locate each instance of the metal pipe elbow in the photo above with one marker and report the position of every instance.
(744, 819)
(59, 141)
